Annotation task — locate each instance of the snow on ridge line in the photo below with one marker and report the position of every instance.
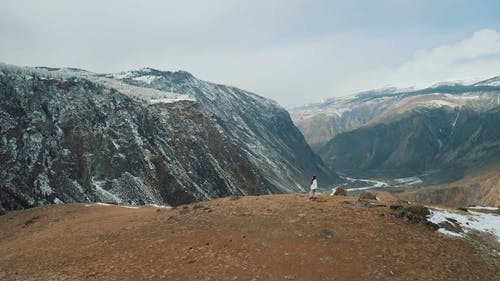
(148, 79)
(149, 95)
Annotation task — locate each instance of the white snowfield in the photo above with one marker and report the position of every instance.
(149, 95)
(483, 222)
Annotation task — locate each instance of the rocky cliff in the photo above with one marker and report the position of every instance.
(68, 135)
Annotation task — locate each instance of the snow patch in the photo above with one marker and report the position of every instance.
(103, 194)
(101, 204)
(148, 79)
(108, 205)
(482, 222)
(146, 94)
(172, 99)
(438, 103)
(129, 206)
(160, 206)
(484, 208)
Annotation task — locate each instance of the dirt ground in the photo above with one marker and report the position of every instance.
(278, 237)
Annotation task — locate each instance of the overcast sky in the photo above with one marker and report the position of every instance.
(295, 52)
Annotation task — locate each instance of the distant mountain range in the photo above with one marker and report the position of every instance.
(143, 136)
(444, 132)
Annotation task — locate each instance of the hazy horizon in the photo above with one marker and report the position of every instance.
(295, 52)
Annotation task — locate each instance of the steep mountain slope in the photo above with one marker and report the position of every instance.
(259, 126)
(453, 139)
(278, 237)
(68, 135)
(321, 122)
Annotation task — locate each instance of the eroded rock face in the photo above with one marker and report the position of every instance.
(76, 139)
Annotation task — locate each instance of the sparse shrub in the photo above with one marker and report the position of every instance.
(367, 196)
(396, 207)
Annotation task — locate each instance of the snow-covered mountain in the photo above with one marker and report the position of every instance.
(144, 136)
(391, 133)
(322, 121)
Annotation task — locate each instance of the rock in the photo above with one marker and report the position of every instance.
(396, 207)
(326, 233)
(234, 197)
(367, 196)
(418, 215)
(340, 191)
(364, 204)
(451, 225)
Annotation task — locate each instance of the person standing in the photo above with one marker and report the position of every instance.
(314, 186)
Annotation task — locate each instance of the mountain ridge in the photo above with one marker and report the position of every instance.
(87, 137)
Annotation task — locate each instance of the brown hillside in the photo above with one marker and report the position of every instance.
(480, 187)
(279, 237)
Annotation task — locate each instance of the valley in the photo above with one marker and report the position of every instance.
(250, 140)
(405, 141)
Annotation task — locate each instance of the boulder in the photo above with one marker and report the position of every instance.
(417, 214)
(340, 190)
(368, 196)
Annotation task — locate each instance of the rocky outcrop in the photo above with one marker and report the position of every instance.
(340, 191)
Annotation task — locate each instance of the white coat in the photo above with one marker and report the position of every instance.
(314, 184)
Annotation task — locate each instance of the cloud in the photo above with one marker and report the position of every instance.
(292, 51)
(475, 57)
